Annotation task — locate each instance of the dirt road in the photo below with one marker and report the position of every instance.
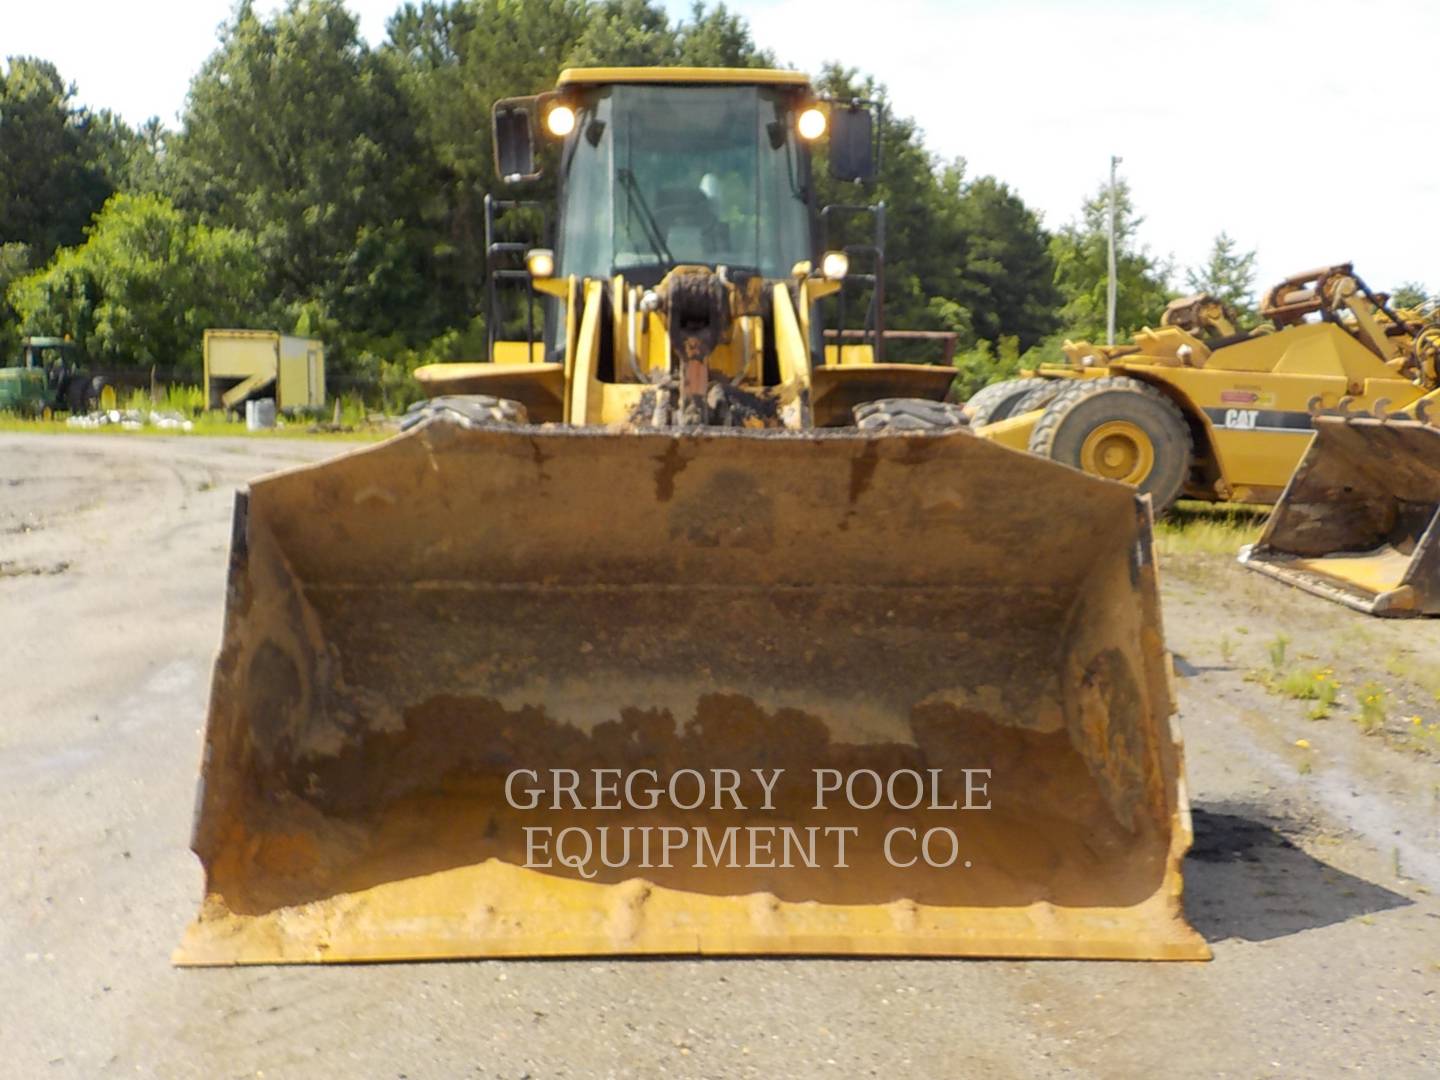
(1316, 873)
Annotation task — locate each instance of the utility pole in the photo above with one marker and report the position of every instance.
(1110, 283)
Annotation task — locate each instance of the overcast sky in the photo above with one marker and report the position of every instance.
(1303, 129)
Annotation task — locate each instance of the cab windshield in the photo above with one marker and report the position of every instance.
(657, 176)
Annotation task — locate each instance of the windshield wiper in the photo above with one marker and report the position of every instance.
(647, 219)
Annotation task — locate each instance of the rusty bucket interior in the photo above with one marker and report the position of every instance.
(412, 626)
(1358, 521)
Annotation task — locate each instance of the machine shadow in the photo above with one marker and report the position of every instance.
(1245, 879)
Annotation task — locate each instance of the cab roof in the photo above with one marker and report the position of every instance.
(681, 76)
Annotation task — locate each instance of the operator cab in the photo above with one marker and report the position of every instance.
(654, 177)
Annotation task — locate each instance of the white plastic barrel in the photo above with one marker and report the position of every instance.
(260, 414)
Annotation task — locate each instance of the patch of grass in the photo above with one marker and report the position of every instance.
(206, 424)
(1424, 736)
(1227, 649)
(1196, 528)
(1315, 685)
(1373, 700)
(182, 398)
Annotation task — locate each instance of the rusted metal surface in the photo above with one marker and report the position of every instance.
(837, 390)
(1201, 314)
(947, 339)
(539, 387)
(408, 624)
(695, 306)
(1360, 519)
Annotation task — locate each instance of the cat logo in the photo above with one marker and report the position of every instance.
(1241, 419)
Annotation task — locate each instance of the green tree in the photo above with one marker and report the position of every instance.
(1410, 294)
(1228, 275)
(625, 33)
(298, 134)
(51, 177)
(715, 37)
(1080, 250)
(144, 286)
(1006, 270)
(961, 255)
(453, 61)
(132, 158)
(14, 264)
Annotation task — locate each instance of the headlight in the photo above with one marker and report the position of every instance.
(834, 265)
(540, 262)
(811, 123)
(560, 121)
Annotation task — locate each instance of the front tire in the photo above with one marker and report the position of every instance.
(909, 414)
(466, 410)
(1119, 429)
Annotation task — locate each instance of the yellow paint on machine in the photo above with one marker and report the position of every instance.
(498, 909)
(671, 600)
(1359, 522)
(1247, 397)
(715, 545)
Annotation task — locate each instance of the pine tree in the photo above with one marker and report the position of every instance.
(1228, 275)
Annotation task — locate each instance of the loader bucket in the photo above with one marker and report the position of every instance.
(1358, 521)
(556, 691)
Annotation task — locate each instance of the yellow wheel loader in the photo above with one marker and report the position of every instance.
(1195, 409)
(671, 629)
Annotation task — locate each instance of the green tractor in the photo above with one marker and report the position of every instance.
(47, 379)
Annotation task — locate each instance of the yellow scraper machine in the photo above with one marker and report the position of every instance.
(1198, 409)
(685, 623)
(1359, 521)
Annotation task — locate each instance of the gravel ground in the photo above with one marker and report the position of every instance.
(1314, 875)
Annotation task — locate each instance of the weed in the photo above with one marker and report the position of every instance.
(183, 398)
(1227, 650)
(1423, 736)
(1276, 652)
(1372, 700)
(1316, 685)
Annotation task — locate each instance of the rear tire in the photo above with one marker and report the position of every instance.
(1120, 429)
(909, 414)
(95, 393)
(1038, 397)
(998, 400)
(466, 410)
(77, 398)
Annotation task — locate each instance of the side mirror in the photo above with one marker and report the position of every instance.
(852, 143)
(513, 124)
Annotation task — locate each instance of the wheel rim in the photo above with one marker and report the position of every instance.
(1118, 450)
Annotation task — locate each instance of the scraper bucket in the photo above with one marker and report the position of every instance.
(1357, 522)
